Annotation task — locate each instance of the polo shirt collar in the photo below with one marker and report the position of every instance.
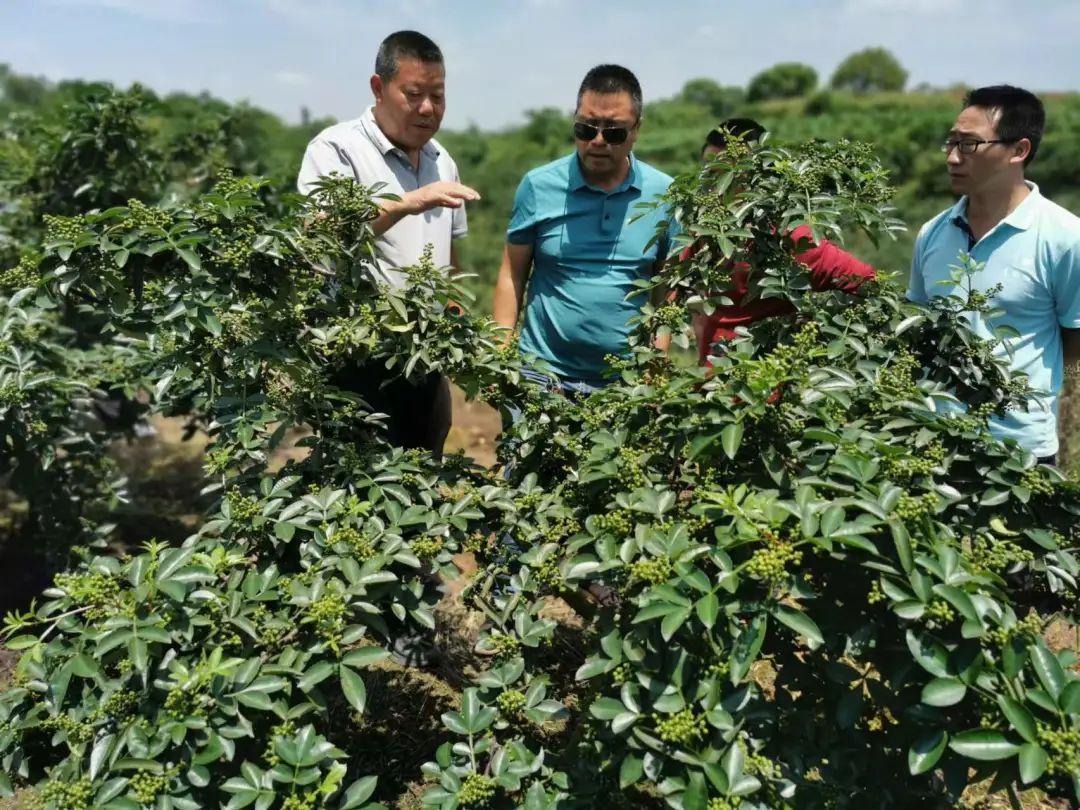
(382, 143)
(633, 177)
(1022, 217)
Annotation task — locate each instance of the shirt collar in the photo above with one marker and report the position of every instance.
(577, 179)
(1022, 217)
(382, 143)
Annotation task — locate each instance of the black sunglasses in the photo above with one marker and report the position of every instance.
(612, 135)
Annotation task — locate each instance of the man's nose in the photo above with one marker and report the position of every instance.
(427, 106)
(953, 156)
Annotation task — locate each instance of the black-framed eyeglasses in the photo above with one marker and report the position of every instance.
(612, 135)
(969, 146)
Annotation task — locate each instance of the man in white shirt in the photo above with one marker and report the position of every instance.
(392, 143)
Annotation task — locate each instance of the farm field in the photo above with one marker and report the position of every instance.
(789, 582)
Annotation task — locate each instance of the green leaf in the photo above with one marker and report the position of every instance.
(696, 795)
(1021, 719)
(630, 771)
(190, 257)
(1070, 698)
(1048, 668)
(983, 744)
(800, 623)
(731, 437)
(924, 754)
(365, 656)
(353, 687)
(708, 608)
(943, 692)
(316, 675)
(1033, 761)
(358, 793)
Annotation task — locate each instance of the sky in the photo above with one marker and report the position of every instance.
(504, 58)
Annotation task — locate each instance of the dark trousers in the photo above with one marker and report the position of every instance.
(419, 412)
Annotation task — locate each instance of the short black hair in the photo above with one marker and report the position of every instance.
(1020, 113)
(408, 45)
(746, 129)
(612, 79)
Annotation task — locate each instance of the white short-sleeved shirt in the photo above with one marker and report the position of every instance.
(1034, 254)
(359, 149)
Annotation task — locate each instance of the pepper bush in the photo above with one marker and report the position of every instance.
(804, 577)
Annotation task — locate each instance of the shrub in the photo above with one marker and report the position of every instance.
(784, 80)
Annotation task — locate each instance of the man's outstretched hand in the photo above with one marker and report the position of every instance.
(442, 194)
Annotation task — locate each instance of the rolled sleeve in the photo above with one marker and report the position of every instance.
(320, 159)
(1066, 286)
(522, 227)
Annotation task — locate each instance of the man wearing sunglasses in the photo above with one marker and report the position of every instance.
(1029, 245)
(579, 241)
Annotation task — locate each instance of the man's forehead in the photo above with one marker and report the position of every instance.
(606, 105)
(413, 70)
(974, 120)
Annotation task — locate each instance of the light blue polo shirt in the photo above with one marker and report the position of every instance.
(586, 255)
(1034, 253)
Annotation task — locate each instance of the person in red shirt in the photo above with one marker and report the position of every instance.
(831, 268)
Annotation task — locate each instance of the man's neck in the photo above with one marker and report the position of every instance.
(412, 154)
(609, 181)
(986, 209)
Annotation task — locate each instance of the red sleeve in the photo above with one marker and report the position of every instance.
(688, 252)
(831, 268)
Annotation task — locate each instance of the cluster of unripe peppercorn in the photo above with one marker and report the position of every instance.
(681, 728)
(771, 562)
(476, 791)
(913, 507)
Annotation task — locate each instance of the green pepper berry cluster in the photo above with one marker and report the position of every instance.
(23, 274)
(631, 473)
(98, 591)
(617, 522)
(928, 459)
(718, 669)
(875, 595)
(301, 801)
(1031, 627)
(771, 563)
(359, 544)
(511, 703)
(673, 316)
(244, 508)
(64, 229)
(328, 613)
(913, 507)
(938, 614)
(996, 554)
(141, 215)
(682, 728)
(549, 575)
(503, 645)
(145, 787)
(1063, 746)
(622, 673)
(653, 571)
(181, 703)
(427, 548)
(75, 795)
(76, 731)
(896, 381)
(724, 804)
(476, 790)
(1037, 481)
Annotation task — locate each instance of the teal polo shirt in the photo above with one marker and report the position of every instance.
(587, 253)
(1034, 253)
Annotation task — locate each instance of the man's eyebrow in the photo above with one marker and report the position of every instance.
(966, 133)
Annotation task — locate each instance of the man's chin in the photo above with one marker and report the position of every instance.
(958, 185)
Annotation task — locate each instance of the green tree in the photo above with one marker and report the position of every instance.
(873, 70)
(784, 80)
(719, 101)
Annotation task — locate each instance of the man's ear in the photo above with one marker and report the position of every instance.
(1021, 150)
(376, 86)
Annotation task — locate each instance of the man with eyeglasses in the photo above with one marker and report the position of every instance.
(579, 241)
(1029, 245)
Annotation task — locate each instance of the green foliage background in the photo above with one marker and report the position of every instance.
(906, 128)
